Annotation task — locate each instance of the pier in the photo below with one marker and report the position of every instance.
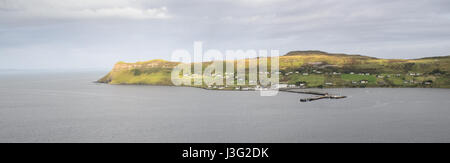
(319, 96)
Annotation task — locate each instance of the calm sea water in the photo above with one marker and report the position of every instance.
(69, 107)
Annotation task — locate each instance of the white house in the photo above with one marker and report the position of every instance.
(281, 85)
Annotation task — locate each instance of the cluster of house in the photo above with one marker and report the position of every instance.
(297, 72)
(361, 73)
(410, 82)
(215, 87)
(301, 85)
(414, 74)
(417, 82)
(283, 85)
(252, 88)
(361, 81)
(351, 73)
(382, 76)
(229, 75)
(320, 72)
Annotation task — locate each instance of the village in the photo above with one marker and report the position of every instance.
(299, 80)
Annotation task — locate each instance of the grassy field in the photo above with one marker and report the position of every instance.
(310, 80)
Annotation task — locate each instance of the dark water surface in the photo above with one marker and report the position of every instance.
(69, 107)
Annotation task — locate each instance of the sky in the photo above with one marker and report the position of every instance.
(80, 34)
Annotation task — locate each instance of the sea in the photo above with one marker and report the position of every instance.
(69, 106)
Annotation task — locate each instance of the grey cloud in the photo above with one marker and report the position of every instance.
(380, 28)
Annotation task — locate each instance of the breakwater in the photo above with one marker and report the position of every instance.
(319, 95)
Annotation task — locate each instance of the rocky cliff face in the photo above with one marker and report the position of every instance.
(127, 67)
(158, 63)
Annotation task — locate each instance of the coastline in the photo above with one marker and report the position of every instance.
(319, 95)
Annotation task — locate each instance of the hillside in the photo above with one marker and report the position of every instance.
(314, 69)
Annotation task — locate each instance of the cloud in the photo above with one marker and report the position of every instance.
(125, 12)
(80, 9)
(256, 2)
(379, 28)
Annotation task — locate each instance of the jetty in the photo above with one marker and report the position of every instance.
(319, 96)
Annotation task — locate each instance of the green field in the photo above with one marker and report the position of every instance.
(310, 80)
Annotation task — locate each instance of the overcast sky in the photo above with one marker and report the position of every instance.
(69, 34)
